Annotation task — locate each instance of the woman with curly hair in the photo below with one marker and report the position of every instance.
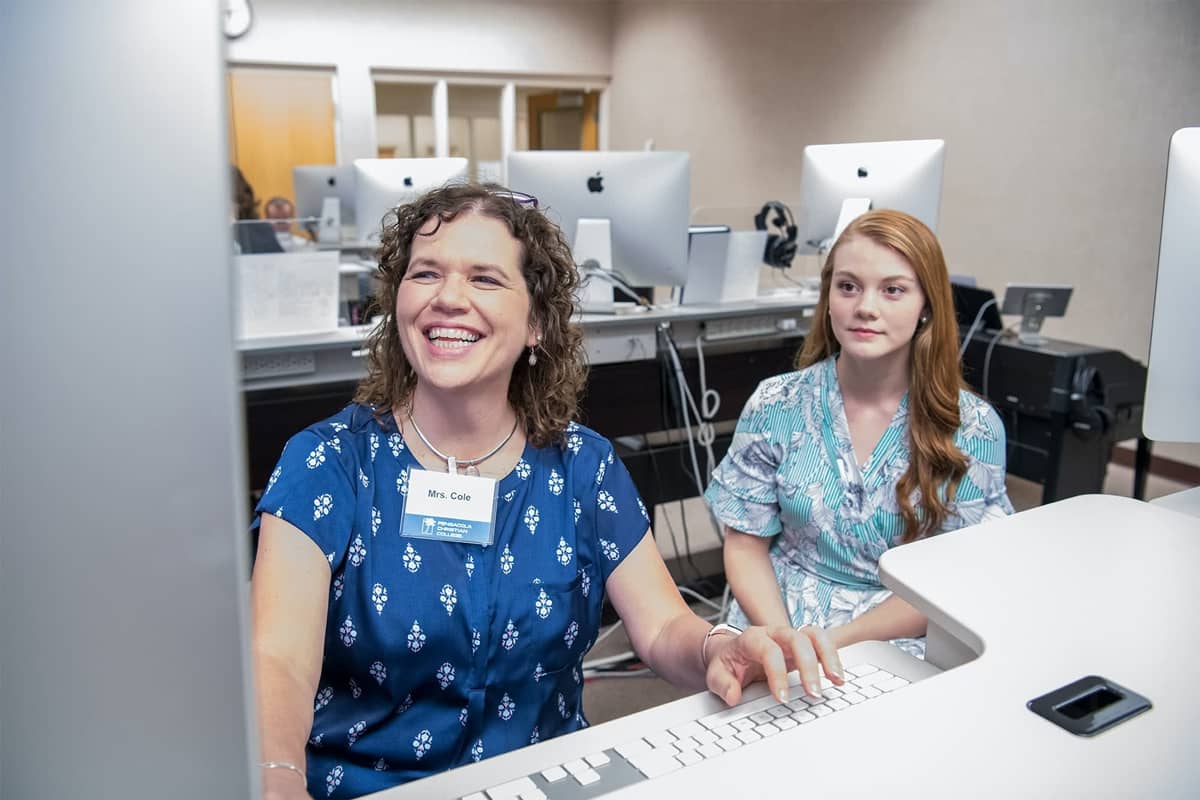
(872, 443)
(390, 645)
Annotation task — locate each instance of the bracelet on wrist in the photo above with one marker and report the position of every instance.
(285, 765)
(713, 631)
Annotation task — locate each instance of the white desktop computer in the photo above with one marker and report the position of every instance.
(381, 184)
(626, 211)
(838, 182)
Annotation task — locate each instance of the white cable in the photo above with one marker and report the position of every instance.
(633, 673)
(706, 394)
(704, 430)
(684, 590)
(706, 434)
(607, 632)
(974, 326)
(606, 660)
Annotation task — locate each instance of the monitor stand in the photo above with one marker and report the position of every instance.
(852, 209)
(329, 227)
(1033, 313)
(593, 249)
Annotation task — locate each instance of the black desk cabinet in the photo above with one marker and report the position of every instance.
(1064, 405)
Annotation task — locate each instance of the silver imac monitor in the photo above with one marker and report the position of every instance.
(313, 183)
(1173, 374)
(840, 181)
(381, 184)
(641, 197)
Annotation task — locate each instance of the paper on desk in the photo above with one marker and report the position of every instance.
(283, 293)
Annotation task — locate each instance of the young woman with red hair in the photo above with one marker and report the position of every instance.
(873, 442)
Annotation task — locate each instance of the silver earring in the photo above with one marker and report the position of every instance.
(532, 358)
(924, 319)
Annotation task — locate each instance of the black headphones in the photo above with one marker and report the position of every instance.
(1089, 401)
(780, 249)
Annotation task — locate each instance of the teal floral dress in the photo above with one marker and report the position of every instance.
(791, 474)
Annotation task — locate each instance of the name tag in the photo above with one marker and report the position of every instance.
(444, 507)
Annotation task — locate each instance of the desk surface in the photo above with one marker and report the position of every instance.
(683, 313)
(1090, 585)
(309, 359)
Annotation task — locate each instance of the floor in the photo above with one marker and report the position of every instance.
(611, 697)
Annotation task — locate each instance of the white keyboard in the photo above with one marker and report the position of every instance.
(665, 751)
(667, 739)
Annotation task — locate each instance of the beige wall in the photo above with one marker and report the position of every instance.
(1056, 116)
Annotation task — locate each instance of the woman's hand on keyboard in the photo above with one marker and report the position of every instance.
(770, 653)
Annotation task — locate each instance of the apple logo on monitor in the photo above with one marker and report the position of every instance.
(408, 180)
(595, 183)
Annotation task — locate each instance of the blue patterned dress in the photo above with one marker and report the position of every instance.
(790, 473)
(441, 653)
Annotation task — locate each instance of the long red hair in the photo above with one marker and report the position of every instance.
(935, 373)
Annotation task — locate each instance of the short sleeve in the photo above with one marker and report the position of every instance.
(621, 517)
(311, 488)
(742, 493)
(982, 493)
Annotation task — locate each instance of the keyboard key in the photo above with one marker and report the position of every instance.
(877, 677)
(891, 685)
(837, 704)
(799, 704)
(736, 712)
(710, 750)
(653, 766)
(729, 743)
(853, 698)
(743, 724)
(869, 692)
(861, 669)
(804, 716)
(831, 693)
(779, 711)
(554, 774)
(476, 796)
(511, 789)
(786, 722)
(690, 757)
(576, 766)
(748, 737)
(587, 777)
(724, 731)
(766, 729)
(760, 717)
(536, 794)
(687, 729)
(597, 759)
(820, 710)
(705, 737)
(632, 749)
(659, 739)
(686, 744)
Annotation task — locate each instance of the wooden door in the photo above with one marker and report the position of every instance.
(564, 120)
(279, 119)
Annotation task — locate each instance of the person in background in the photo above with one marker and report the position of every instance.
(280, 208)
(872, 443)
(249, 234)
(385, 651)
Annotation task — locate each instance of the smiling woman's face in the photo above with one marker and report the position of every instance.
(875, 300)
(462, 309)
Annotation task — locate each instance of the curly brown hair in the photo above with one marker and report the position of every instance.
(935, 373)
(545, 396)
